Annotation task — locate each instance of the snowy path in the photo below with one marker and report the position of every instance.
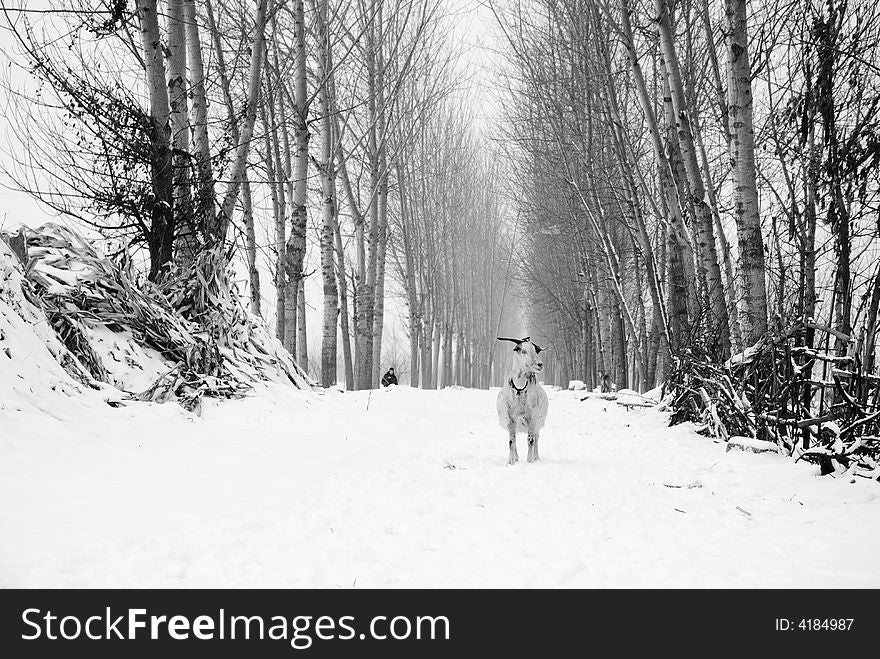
(410, 488)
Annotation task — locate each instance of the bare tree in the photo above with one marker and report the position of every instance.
(753, 294)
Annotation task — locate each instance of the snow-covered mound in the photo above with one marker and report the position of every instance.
(634, 398)
(188, 338)
(751, 444)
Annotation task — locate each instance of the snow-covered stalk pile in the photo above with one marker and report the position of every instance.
(204, 341)
(806, 402)
(32, 358)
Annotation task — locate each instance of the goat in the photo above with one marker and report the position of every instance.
(522, 403)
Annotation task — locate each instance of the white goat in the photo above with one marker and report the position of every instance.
(522, 403)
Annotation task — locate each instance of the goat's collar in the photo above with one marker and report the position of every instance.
(529, 379)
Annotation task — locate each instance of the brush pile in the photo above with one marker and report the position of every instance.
(190, 333)
(810, 403)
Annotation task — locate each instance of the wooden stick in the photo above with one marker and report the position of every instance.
(829, 330)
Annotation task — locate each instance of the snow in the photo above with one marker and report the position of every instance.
(750, 443)
(29, 349)
(402, 487)
(130, 366)
(743, 357)
(632, 397)
(391, 488)
(576, 385)
(654, 394)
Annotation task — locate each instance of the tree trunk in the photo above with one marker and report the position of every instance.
(379, 291)
(343, 304)
(808, 230)
(205, 207)
(286, 293)
(716, 311)
(239, 164)
(448, 349)
(278, 220)
(670, 202)
(869, 354)
(360, 276)
(328, 272)
(251, 246)
(302, 344)
(161, 235)
(367, 297)
(409, 277)
(628, 170)
(328, 207)
(753, 291)
(426, 354)
(843, 279)
(296, 241)
(724, 244)
(179, 103)
(212, 221)
(351, 381)
(435, 354)
(414, 332)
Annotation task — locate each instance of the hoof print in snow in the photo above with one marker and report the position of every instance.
(750, 445)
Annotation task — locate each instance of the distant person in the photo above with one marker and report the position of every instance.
(389, 378)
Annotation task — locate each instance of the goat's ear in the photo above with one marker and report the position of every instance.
(537, 348)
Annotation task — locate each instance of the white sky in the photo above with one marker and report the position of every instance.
(15, 207)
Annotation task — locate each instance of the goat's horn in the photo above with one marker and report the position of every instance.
(516, 341)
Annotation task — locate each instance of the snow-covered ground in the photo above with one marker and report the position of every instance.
(402, 487)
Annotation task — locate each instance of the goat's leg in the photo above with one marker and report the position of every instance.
(533, 446)
(513, 457)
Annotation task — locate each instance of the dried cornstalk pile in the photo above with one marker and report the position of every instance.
(214, 346)
(708, 395)
(813, 405)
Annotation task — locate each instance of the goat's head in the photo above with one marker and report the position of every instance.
(526, 355)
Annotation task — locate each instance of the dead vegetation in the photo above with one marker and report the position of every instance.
(813, 404)
(213, 346)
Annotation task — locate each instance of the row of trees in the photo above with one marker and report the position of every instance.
(692, 174)
(453, 254)
(319, 137)
(681, 175)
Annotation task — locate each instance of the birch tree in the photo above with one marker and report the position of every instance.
(161, 237)
(752, 277)
(178, 97)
